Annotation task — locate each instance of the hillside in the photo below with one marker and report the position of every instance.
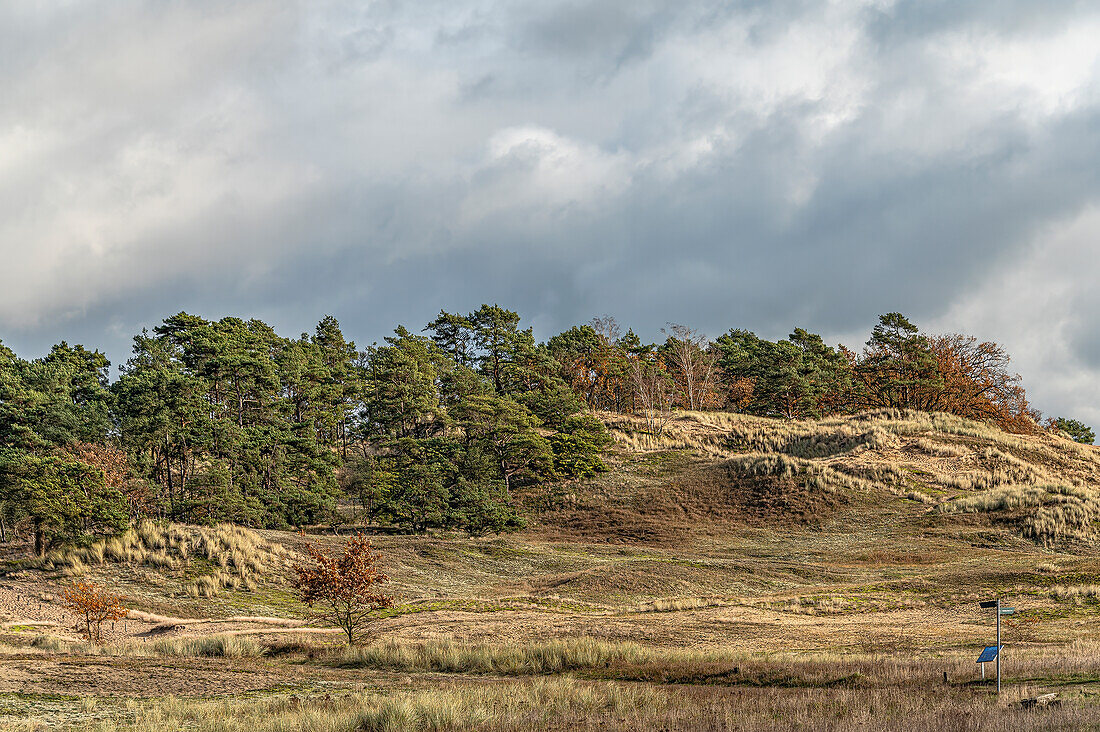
(760, 471)
(742, 561)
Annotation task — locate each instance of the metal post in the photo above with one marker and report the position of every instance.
(998, 646)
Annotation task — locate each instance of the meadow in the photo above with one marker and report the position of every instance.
(739, 573)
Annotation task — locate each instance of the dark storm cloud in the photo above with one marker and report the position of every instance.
(724, 164)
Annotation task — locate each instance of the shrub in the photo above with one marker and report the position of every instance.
(341, 588)
(93, 605)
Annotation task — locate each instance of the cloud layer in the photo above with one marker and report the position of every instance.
(725, 164)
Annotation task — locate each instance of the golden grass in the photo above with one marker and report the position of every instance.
(670, 689)
(550, 657)
(216, 646)
(940, 449)
(235, 557)
(678, 604)
(999, 499)
(631, 661)
(1073, 592)
(1040, 482)
(533, 704)
(562, 703)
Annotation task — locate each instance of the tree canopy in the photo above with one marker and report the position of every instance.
(437, 429)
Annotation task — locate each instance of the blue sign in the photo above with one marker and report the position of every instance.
(989, 653)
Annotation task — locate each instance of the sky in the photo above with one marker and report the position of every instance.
(743, 164)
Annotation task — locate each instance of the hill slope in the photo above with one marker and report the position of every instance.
(789, 552)
(752, 470)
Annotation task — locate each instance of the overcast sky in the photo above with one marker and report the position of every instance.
(721, 164)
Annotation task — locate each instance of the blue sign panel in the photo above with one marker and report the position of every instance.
(989, 653)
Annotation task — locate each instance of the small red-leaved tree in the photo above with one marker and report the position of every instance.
(341, 588)
(93, 605)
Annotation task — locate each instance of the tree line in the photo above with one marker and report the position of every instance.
(228, 421)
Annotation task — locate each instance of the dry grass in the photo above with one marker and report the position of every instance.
(679, 604)
(562, 703)
(670, 690)
(631, 661)
(999, 499)
(535, 704)
(551, 657)
(213, 646)
(940, 449)
(1074, 592)
(1038, 483)
(230, 557)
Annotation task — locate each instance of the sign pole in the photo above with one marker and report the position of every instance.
(993, 653)
(998, 646)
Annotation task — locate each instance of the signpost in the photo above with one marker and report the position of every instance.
(989, 653)
(993, 653)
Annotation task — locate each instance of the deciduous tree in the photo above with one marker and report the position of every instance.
(654, 392)
(93, 605)
(341, 586)
(693, 367)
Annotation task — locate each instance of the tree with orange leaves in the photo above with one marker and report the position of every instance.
(93, 605)
(976, 383)
(341, 587)
(904, 369)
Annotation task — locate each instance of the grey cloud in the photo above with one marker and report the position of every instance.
(908, 19)
(753, 164)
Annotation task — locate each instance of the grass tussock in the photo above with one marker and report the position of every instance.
(550, 657)
(813, 475)
(1062, 512)
(678, 604)
(1074, 592)
(563, 703)
(558, 703)
(936, 448)
(672, 689)
(1000, 499)
(210, 646)
(215, 646)
(228, 556)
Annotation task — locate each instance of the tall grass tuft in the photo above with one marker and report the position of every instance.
(241, 558)
(549, 657)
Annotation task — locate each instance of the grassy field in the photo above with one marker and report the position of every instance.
(739, 573)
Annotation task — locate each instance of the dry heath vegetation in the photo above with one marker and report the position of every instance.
(1041, 484)
(684, 595)
(216, 558)
(214, 646)
(627, 687)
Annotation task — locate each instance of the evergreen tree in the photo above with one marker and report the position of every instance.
(495, 335)
(1078, 431)
(62, 499)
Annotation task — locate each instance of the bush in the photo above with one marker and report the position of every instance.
(93, 605)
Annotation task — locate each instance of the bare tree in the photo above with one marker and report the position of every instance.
(655, 392)
(694, 367)
(607, 328)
